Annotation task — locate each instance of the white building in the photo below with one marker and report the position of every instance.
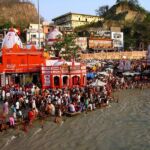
(75, 19)
(32, 35)
(118, 39)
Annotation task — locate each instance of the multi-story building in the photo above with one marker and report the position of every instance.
(32, 35)
(75, 19)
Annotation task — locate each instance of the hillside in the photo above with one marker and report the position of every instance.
(17, 13)
(131, 17)
(126, 11)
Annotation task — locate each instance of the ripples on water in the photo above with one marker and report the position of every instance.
(123, 126)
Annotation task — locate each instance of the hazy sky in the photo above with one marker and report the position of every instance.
(52, 8)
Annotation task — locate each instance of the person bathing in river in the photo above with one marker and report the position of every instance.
(58, 118)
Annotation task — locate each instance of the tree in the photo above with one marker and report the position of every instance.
(58, 46)
(101, 11)
(134, 2)
(119, 1)
(66, 46)
(6, 25)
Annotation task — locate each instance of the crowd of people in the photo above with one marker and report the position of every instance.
(24, 104)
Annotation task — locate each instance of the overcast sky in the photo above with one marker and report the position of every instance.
(50, 9)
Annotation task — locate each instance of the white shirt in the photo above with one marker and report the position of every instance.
(3, 93)
(17, 105)
(8, 94)
(52, 109)
(33, 104)
(72, 108)
(59, 101)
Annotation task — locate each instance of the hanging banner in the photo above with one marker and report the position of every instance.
(45, 72)
(81, 42)
(46, 80)
(118, 41)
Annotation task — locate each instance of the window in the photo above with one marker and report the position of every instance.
(117, 36)
(33, 35)
(33, 42)
(42, 44)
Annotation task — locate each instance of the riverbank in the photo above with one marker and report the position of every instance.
(124, 125)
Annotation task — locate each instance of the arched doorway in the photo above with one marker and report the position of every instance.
(35, 79)
(65, 80)
(17, 80)
(75, 80)
(56, 81)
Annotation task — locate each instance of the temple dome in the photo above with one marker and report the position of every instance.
(11, 39)
(53, 36)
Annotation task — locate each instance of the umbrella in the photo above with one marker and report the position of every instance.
(131, 73)
(98, 83)
(103, 73)
(146, 72)
(109, 69)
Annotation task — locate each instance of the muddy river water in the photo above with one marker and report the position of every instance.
(122, 126)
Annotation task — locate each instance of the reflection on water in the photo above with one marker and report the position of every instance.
(123, 126)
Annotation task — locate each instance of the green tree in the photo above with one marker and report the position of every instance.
(135, 2)
(102, 10)
(119, 1)
(66, 46)
(58, 46)
(6, 25)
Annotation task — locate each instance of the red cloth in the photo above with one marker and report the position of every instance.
(31, 115)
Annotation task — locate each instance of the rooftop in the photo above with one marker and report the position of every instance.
(70, 13)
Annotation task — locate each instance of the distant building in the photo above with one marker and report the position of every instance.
(118, 39)
(75, 19)
(46, 27)
(66, 30)
(32, 35)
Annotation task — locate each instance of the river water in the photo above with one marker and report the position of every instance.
(122, 126)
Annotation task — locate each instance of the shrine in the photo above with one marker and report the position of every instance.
(62, 74)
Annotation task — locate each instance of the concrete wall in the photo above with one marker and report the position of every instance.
(115, 55)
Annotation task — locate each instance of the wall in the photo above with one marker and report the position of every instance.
(96, 43)
(18, 60)
(115, 55)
